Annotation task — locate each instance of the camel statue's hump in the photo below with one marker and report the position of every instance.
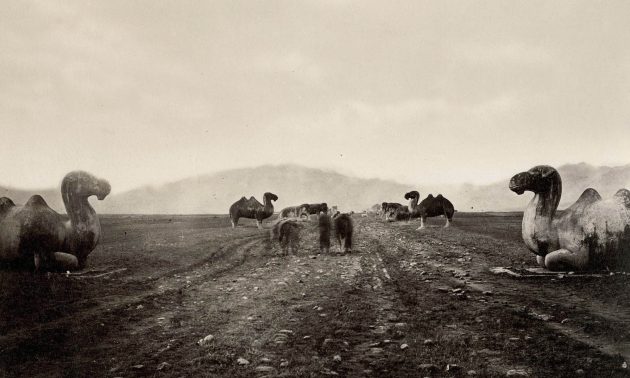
(6, 202)
(590, 195)
(36, 201)
(5, 205)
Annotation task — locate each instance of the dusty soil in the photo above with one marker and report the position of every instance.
(403, 303)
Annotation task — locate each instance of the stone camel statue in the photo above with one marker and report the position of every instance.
(593, 233)
(36, 232)
(252, 209)
(429, 207)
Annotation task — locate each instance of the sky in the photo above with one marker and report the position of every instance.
(148, 92)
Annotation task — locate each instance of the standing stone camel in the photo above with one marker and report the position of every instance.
(37, 233)
(431, 207)
(252, 209)
(591, 234)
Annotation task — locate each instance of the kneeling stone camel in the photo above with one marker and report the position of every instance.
(35, 231)
(593, 233)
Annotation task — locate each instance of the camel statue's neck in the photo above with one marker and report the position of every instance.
(539, 232)
(413, 203)
(84, 228)
(268, 204)
(547, 203)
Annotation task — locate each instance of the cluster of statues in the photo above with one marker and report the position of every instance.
(593, 233)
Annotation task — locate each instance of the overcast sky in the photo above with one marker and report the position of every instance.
(146, 92)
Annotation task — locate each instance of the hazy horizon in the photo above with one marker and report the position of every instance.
(150, 92)
(346, 174)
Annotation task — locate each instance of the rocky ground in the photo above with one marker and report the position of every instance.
(188, 296)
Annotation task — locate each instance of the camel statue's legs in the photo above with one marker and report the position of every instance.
(448, 223)
(259, 224)
(540, 260)
(421, 224)
(564, 259)
(65, 261)
(37, 259)
(234, 222)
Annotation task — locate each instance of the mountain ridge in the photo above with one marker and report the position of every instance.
(294, 184)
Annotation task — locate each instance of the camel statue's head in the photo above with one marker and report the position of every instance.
(270, 196)
(412, 194)
(540, 179)
(83, 184)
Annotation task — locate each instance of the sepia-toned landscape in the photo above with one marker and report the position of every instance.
(401, 304)
(314, 188)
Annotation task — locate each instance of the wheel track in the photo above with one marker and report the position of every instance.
(19, 338)
(546, 296)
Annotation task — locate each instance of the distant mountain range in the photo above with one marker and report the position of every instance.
(294, 185)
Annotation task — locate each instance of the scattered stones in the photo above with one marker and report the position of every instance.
(429, 342)
(163, 366)
(517, 373)
(404, 346)
(137, 367)
(242, 361)
(400, 325)
(471, 372)
(265, 360)
(284, 363)
(306, 337)
(376, 350)
(205, 341)
(280, 338)
(337, 358)
(489, 352)
(543, 317)
(265, 369)
(429, 368)
(579, 372)
(452, 367)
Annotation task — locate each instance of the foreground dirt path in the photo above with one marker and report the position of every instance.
(403, 303)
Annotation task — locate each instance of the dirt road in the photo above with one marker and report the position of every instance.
(404, 303)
